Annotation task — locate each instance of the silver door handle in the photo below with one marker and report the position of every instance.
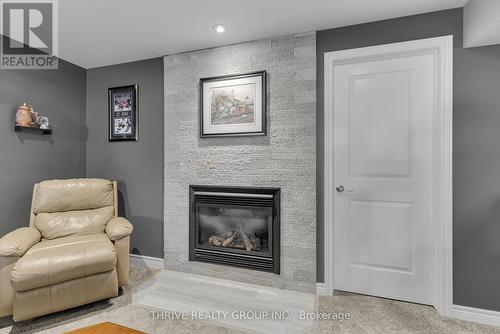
(340, 188)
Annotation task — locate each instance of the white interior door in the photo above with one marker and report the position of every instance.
(383, 167)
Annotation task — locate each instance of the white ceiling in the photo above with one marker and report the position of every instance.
(95, 33)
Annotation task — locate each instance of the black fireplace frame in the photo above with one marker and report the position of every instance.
(237, 196)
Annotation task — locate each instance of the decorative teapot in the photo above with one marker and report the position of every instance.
(23, 115)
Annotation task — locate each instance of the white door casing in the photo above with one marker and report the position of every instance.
(388, 137)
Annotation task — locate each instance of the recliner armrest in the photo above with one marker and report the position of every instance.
(17, 242)
(118, 228)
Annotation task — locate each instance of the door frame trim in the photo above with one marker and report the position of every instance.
(442, 49)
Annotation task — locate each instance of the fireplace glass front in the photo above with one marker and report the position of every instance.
(235, 226)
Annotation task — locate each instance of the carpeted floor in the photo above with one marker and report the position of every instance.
(368, 315)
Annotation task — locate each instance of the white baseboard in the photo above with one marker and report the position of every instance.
(481, 316)
(153, 262)
(321, 289)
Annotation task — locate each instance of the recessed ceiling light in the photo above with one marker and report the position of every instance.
(220, 28)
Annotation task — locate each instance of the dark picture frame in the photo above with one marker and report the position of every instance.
(233, 105)
(123, 113)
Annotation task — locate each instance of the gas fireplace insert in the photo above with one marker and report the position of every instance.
(235, 226)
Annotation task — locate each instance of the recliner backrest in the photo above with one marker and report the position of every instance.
(73, 206)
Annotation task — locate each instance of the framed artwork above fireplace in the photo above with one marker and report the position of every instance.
(235, 226)
(233, 105)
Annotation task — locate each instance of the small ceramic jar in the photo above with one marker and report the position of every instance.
(23, 116)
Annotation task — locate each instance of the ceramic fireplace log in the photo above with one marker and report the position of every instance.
(246, 240)
(229, 240)
(236, 239)
(214, 240)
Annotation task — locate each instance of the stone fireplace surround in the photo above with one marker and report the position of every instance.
(285, 158)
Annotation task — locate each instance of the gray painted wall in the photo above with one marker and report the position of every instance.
(138, 166)
(30, 157)
(285, 158)
(476, 179)
(476, 224)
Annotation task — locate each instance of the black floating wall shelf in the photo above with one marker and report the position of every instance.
(25, 128)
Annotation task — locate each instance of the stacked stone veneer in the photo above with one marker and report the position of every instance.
(285, 158)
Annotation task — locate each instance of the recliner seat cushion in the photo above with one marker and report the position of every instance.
(54, 261)
(71, 195)
(61, 224)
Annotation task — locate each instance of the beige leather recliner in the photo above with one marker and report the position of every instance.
(76, 250)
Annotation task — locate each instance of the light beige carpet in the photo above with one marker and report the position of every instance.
(369, 315)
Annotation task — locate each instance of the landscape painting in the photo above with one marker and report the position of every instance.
(233, 105)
